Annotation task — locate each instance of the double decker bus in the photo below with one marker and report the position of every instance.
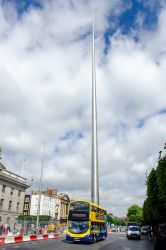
(86, 222)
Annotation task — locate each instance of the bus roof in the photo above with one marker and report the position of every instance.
(89, 203)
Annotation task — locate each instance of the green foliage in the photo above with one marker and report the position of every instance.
(154, 208)
(135, 213)
(34, 218)
(115, 221)
(151, 202)
(110, 220)
(120, 222)
(147, 213)
(161, 184)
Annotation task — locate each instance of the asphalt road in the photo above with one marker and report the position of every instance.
(113, 242)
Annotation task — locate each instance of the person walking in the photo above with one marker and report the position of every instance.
(150, 233)
(160, 243)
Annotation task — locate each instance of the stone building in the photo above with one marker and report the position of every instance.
(47, 205)
(12, 192)
(61, 204)
(64, 205)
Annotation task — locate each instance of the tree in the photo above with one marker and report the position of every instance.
(147, 213)
(110, 219)
(135, 213)
(34, 218)
(154, 208)
(116, 221)
(161, 184)
(150, 208)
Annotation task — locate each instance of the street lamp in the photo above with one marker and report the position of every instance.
(23, 166)
(40, 188)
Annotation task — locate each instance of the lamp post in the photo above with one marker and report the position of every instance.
(0, 154)
(31, 186)
(40, 188)
(23, 166)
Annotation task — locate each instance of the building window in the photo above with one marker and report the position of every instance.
(27, 199)
(10, 205)
(0, 218)
(17, 208)
(8, 220)
(26, 206)
(3, 188)
(12, 190)
(1, 203)
(19, 193)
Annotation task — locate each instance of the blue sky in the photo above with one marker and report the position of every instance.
(23, 5)
(127, 22)
(45, 82)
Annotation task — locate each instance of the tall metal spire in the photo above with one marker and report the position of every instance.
(94, 167)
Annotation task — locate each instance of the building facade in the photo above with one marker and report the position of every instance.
(12, 192)
(47, 205)
(27, 204)
(51, 203)
(62, 204)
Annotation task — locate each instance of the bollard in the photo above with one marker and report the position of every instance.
(33, 237)
(56, 235)
(45, 236)
(18, 238)
(2, 241)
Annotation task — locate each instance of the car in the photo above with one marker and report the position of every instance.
(131, 223)
(144, 230)
(134, 232)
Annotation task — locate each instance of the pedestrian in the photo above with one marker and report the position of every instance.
(150, 233)
(40, 230)
(160, 243)
(21, 231)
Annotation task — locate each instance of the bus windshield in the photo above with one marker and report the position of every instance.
(78, 227)
(79, 206)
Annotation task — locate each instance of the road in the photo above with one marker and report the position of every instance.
(113, 242)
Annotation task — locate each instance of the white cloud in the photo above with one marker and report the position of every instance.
(45, 82)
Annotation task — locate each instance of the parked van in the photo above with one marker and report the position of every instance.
(131, 223)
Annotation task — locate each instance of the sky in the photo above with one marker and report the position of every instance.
(45, 94)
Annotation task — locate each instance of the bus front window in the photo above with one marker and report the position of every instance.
(78, 227)
(81, 206)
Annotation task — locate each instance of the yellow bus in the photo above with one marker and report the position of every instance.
(86, 222)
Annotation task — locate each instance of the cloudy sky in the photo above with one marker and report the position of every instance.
(45, 94)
